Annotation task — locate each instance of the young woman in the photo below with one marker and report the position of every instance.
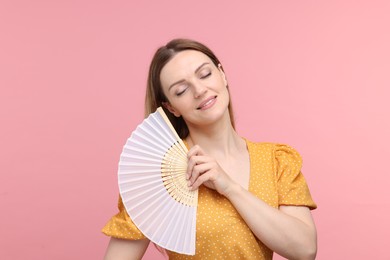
(253, 198)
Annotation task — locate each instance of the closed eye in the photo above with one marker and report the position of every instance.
(181, 92)
(206, 76)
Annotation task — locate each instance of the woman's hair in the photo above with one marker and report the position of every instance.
(154, 92)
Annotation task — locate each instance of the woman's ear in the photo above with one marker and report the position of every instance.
(171, 109)
(223, 74)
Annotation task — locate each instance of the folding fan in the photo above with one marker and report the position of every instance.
(153, 186)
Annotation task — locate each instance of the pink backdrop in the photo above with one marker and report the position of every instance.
(313, 74)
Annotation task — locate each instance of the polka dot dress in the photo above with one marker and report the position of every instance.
(221, 233)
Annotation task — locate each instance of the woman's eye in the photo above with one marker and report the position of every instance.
(179, 93)
(206, 75)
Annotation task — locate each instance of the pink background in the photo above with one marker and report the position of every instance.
(315, 75)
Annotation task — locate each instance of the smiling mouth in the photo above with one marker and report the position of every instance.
(206, 102)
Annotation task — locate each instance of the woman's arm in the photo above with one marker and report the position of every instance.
(288, 231)
(122, 249)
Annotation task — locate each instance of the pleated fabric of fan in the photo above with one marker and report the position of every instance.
(221, 233)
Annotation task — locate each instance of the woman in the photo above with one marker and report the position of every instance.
(253, 199)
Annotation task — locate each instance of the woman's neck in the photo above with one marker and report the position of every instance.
(219, 139)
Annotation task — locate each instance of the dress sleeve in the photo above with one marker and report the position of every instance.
(121, 226)
(291, 185)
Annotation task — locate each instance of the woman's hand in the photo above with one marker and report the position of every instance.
(204, 169)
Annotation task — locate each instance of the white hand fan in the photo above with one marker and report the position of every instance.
(153, 186)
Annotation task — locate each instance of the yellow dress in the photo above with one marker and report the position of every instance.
(221, 233)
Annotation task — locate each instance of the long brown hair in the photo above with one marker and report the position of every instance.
(154, 93)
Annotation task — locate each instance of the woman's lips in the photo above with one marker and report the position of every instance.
(207, 103)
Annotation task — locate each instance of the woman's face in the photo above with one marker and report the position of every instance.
(196, 89)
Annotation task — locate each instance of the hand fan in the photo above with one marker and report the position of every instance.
(153, 186)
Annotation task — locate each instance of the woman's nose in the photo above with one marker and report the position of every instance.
(199, 90)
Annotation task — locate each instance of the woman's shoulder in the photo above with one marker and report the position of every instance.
(273, 148)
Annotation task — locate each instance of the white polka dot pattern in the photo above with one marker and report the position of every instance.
(221, 233)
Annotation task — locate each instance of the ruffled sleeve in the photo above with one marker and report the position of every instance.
(291, 185)
(121, 226)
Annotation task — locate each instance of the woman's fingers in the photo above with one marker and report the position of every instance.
(200, 180)
(198, 170)
(195, 150)
(194, 161)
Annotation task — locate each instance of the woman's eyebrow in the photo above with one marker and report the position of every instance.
(201, 66)
(182, 80)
